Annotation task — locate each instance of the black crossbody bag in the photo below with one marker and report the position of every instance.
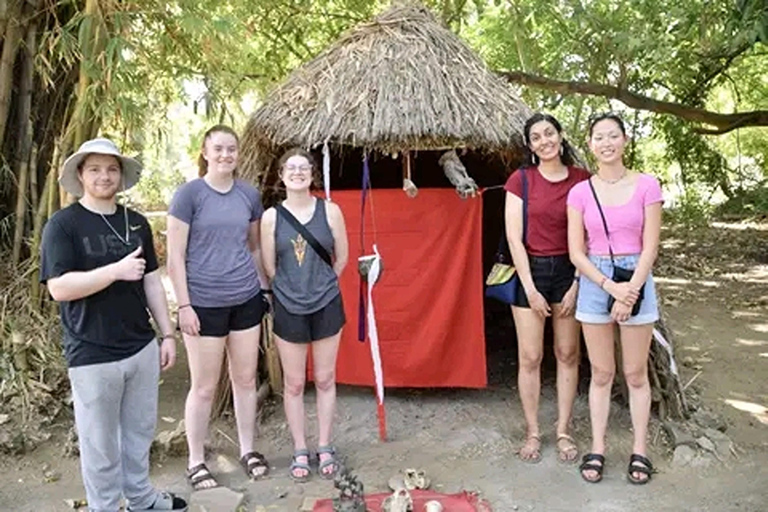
(620, 274)
(304, 232)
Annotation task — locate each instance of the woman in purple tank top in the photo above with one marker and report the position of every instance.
(614, 223)
(214, 265)
(305, 248)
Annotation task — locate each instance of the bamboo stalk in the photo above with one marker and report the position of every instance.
(37, 232)
(34, 186)
(11, 40)
(21, 210)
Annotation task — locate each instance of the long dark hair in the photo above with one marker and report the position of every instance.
(202, 163)
(567, 156)
(613, 116)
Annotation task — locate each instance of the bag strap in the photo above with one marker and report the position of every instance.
(602, 216)
(303, 231)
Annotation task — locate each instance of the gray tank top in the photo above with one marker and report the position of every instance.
(303, 282)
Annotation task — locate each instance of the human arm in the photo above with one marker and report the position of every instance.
(513, 220)
(254, 246)
(340, 241)
(158, 306)
(177, 237)
(650, 250)
(76, 285)
(267, 233)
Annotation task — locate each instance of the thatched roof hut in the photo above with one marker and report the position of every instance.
(401, 82)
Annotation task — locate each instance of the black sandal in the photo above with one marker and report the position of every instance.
(252, 461)
(644, 467)
(588, 464)
(196, 481)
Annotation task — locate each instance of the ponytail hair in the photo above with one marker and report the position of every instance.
(202, 163)
(567, 154)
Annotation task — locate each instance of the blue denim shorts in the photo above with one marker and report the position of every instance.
(592, 302)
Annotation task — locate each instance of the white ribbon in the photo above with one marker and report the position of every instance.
(327, 171)
(664, 343)
(373, 333)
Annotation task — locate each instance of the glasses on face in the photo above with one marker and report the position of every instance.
(302, 168)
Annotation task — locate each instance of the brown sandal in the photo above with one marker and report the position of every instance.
(571, 451)
(253, 461)
(535, 454)
(199, 474)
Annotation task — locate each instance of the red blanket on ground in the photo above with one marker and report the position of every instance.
(461, 502)
(429, 300)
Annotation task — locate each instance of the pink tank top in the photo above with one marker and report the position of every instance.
(625, 222)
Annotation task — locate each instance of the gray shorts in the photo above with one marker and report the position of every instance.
(312, 327)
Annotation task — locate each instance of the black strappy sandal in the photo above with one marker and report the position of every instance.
(644, 467)
(252, 461)
(588, 464)
(204, 476)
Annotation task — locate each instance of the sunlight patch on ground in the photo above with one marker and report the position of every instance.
(751, 343)
(744, 314)
(758, 411)
(741, 226)
(759, 327)
(764, 354)
(671, 280)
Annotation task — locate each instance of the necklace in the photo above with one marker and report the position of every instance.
(125, 240)
(613, 182)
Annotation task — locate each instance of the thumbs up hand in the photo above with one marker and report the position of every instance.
(131, 267)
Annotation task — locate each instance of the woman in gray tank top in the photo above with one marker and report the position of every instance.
(305, 248)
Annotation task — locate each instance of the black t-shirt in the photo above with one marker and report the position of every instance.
(112, 324)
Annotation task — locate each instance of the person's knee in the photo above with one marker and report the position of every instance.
(243, 380)
(567, 355)
(636, 377)
(530, 360)
(602, 376)
(294, 385)
(203, 391)
(325, 380)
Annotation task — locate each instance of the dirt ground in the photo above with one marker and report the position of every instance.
(714, 284)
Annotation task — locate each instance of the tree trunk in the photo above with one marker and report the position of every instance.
(13, 34)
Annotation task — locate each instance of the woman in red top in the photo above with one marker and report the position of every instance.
(547, 285)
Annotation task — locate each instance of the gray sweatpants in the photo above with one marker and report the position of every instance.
(115, 415)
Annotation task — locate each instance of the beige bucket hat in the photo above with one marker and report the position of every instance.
(68, 177)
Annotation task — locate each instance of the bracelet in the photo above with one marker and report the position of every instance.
(184, 306)
(576, 279)
(266, 291)
(168, 337)
(603, 281)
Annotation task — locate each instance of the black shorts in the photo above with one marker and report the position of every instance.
(312, 327)
(552, 275)
(218, 322)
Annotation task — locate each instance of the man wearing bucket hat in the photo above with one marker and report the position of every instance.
(99, 263)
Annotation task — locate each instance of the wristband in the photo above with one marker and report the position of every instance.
(266, 291)
(168, 337)
(575, 279)
(184, 306)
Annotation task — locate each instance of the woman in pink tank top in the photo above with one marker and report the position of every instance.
(614, 221)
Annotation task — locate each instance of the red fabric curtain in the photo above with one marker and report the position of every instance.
(429, 300)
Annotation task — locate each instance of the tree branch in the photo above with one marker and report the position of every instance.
(723, 123)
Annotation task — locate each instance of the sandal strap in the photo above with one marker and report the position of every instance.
(326, 449)
(253, 459)
(205, 476)
(635, 468)
(635, 457)
(589, 457)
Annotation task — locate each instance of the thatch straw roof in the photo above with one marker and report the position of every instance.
(400, 82)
